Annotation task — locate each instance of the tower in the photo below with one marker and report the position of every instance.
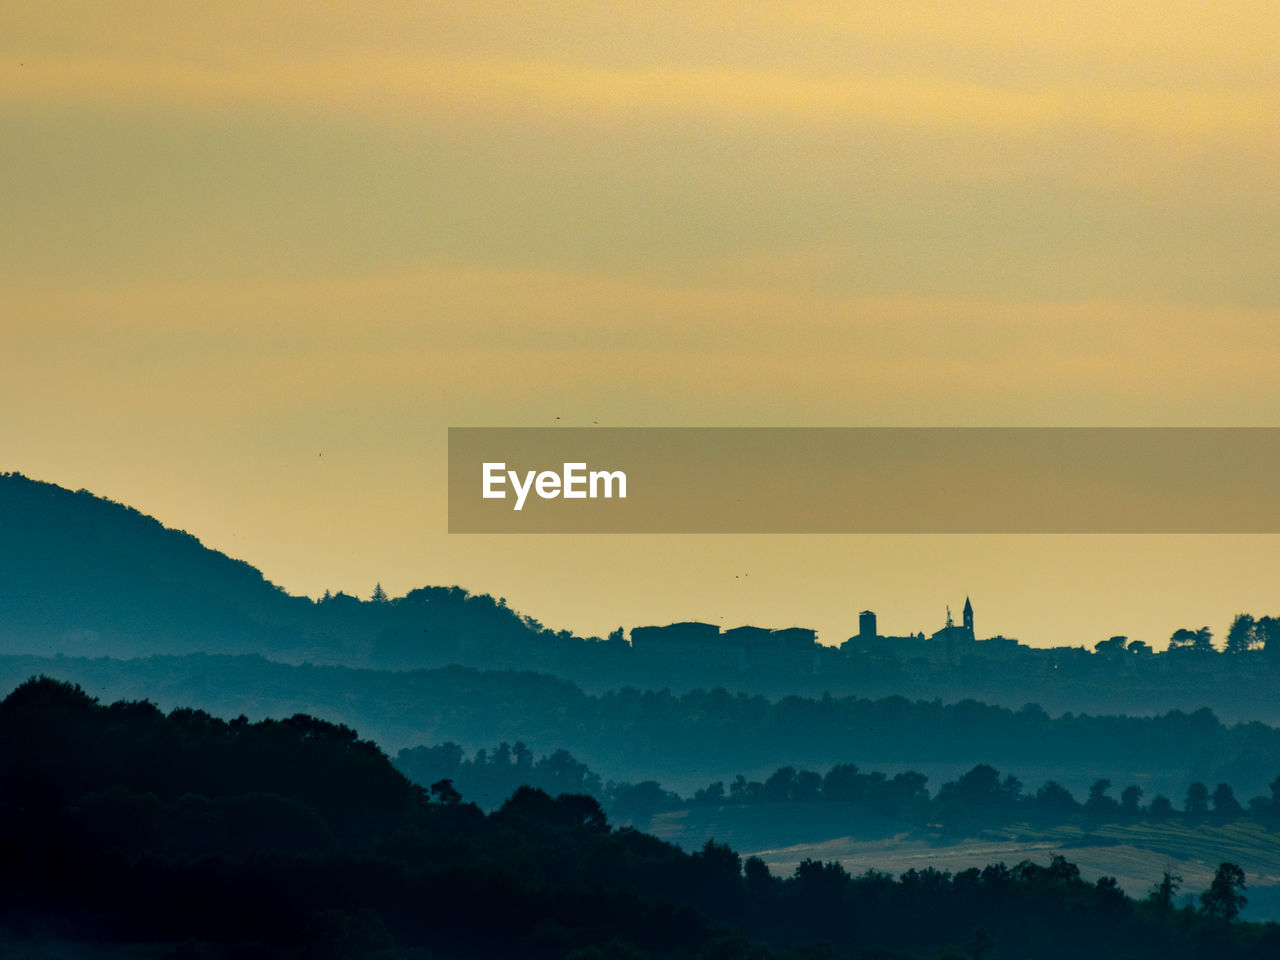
(968, 619)
(866, 625)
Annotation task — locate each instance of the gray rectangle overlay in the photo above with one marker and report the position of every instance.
(867, 480)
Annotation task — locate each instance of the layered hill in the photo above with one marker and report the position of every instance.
(128, 832)
(85, 576)
(82, 575)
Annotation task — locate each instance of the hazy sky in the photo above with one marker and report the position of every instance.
(256, 258)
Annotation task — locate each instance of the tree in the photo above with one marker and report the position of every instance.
(1110, 646)
(844, 782)
(445, 792)
(1225, 803)
(1242, 636)
(711, 795)
(379, 595)
(582, 810)
(1225, 897)
(759, 881)
(1197, 804)
(807, 786)
(1130, 799)
(1266, 631)
(1053, 797)
(1163, 893)
(642, 800)
(1061, 870)
(523, 756)
(779, 786)
(1197, 641)
(981, 788)
(1202, 641)
(719, 860)
(820, 884)
(903, 794)
(1110, 897)
(1099, 805)
(561, 773)
(1160, 808)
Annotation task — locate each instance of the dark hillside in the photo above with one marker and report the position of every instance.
(687, 740)
(181, 835)
(85, 574)
(82, 575)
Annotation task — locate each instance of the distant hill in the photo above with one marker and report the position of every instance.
(686, 741)
(83, 575)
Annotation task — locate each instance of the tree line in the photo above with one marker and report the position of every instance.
(982, 796)
(1247, 633)
(126, 829)
(635, 735)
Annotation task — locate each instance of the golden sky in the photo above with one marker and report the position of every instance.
(256, 259)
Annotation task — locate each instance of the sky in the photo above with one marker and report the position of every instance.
(257, 258)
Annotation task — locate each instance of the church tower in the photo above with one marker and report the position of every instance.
(968, 619)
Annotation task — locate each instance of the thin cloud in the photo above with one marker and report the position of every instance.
(552, 93)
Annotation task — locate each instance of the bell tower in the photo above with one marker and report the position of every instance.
(968, 619)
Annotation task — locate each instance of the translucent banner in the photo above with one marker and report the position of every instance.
(864, 480)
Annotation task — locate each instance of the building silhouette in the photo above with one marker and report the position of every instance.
(953, 632)
(702, 646)
(867, 625)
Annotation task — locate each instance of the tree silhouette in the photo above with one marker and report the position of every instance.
(711, 795)
(1099, 805)
(780, 785)
(1266, 631)
(1053, 798)
(1197, 804)
(1225, 897)
(1112, 645)
(1164, 892)
(1225, 804)
(1242, 635)
(1196, 641)
(444, 792)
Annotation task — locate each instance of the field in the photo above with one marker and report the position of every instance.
(1136, 854)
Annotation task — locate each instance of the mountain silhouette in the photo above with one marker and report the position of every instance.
(83, 575)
